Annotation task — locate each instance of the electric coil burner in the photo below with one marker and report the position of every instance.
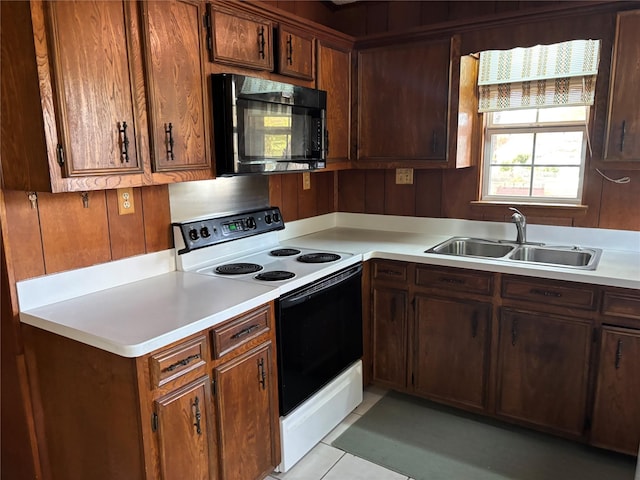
(284, 252)
(238, 268)
(320, 257)
(275, 275)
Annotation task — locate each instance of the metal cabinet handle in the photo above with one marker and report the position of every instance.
(290, 50)
(261, 42)
(618, 354)
(434, 142)
(261, 374)
(456, 281)
(514, 331)
(168, 131)
(124, 142)
(197, 415)
(245, 331)
(622, 134)
(393, 309)
(181, 363)
(474, 325)
(545, 293)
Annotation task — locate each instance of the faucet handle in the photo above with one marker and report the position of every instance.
(513, 209)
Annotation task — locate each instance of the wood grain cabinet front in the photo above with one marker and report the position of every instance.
(622, 136)
(296, 53)
(90, 73)
(403, 97)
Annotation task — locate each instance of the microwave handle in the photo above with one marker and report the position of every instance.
(326, 143)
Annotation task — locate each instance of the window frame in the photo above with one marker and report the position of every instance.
(490, 128)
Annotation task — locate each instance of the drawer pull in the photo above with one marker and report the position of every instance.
(245, 331)
(181, 363)
(198, 415)
(545, 293)
(390, 272)
(456, 281)
(618, 354)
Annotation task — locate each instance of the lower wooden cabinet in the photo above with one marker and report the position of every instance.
(616, 412)
(543, 368)
(451, 350)
(389, 336)
(186, 411)
(185, 428)
(247, 411)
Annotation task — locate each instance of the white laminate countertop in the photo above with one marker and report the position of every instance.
(98, 307)
(135, 319)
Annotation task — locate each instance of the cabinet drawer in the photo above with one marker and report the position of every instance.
(176, 361)
(240, 330)
(457, 280)
(549, 292)
(394, 271)
(621, 305)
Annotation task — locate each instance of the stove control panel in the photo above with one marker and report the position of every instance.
(202, 233)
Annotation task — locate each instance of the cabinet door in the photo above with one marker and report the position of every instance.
(403, 99)
(543, 365)
(185, 438)
(616, 413)
(175, 76)
(296, 53)
(246, 399)
(623, 123)
(389, 315)
(90, 55)
(334, 76)
(242, 40)
(451, 342)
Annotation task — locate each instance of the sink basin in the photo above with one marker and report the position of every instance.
(540, 254)
(472, 247)
(576, 257)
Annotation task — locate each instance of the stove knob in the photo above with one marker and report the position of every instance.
(193, 234)
(276, 217)
(204, 232)
(267, 219)
(250, 222)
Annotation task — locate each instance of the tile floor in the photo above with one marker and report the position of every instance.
(325, 462)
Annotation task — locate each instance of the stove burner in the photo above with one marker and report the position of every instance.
(320, 257)
(275, 275)
(284, 252)
(238, 268)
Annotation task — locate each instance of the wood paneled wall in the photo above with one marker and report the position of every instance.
(287, 192)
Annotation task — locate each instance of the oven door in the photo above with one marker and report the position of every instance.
(319, 332)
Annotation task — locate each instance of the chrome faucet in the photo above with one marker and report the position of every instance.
(521, 224)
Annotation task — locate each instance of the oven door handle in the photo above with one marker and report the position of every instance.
(317, 288)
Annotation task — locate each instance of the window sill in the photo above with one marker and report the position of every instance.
(540, 210)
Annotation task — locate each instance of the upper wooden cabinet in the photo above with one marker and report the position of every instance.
(334, 76)
(78, 69)
(174, 44)
(622, 136)
(238, 38)
(296, 53)
(403, 99)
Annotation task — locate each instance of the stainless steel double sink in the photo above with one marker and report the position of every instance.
(586, 258)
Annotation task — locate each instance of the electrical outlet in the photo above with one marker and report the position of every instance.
(125, 201)
(306, 181)
(404, 176)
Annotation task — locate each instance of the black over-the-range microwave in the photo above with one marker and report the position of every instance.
(262, 126)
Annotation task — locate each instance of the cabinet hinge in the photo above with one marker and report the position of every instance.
(60, 153)
(154, 422)
(213, 386)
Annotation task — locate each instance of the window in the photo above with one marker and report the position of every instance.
(535, 103)
(535, 155)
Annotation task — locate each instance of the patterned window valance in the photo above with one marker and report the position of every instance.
(541, 76)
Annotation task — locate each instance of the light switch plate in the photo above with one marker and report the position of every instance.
(404, 176)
